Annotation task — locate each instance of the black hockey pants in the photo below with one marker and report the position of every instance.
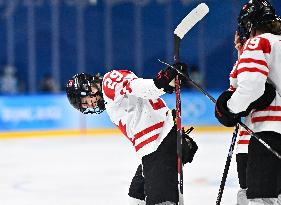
(159, 180)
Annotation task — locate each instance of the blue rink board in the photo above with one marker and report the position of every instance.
(51, 112)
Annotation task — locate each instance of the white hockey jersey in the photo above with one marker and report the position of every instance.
(259, 62)
(135, 107)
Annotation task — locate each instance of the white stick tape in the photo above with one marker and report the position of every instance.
(191, 19)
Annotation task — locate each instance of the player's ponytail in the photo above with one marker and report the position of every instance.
(273, 27)
(276, 27)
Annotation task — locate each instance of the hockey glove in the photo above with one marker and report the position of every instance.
(165, 78)
(189, 148)
(229, 119)
(223, 114)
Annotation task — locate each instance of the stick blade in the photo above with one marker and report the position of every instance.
(191, 19)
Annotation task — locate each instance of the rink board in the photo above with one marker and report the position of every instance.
(52, 115)
(93, 132)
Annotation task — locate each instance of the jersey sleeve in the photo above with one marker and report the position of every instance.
(252, 72)
(118, 83)
(233, 78)
(145, 88)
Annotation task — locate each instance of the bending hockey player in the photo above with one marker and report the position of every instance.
(255, 78)
(135, 107)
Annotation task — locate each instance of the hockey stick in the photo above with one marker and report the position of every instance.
(251, 132)
(227, 164)
(186, 24)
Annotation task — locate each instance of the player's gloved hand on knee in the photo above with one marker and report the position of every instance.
(189, 148)
(222, 113)
(166, 78)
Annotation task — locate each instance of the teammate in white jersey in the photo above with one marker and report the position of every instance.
(256, 96)
(135, 107)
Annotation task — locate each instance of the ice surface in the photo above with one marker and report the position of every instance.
(97, 171)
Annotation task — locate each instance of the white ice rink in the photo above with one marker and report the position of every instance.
(97, 171)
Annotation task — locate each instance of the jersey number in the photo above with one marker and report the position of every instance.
(113, 79)
(253, 43)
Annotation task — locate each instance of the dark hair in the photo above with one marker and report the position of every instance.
(273, 27)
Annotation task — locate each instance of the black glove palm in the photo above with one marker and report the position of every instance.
(229, 119)
(222, 113)
(189, 148)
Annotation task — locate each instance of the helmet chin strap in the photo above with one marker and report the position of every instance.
(89, 111)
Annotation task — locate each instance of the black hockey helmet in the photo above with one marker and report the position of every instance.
(79, 86)
(253, 14)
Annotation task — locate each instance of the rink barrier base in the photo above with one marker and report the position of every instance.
(59, 133)
(91, 132)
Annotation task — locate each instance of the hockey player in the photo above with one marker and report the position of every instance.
(255, 77)
(244, 136)
(135, 107)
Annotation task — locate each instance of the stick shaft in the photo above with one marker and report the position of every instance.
(177, 41)
(187, 23)
(178, 121)
(227, 165)
(179, 140)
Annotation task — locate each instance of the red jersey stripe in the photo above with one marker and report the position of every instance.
(241, 70)
(243, 142)
(145, 142)
(233, 75)
(251, 60)
(147, 130)
(232, 88)
(270, 108)
(266, 118)
(242, 133)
